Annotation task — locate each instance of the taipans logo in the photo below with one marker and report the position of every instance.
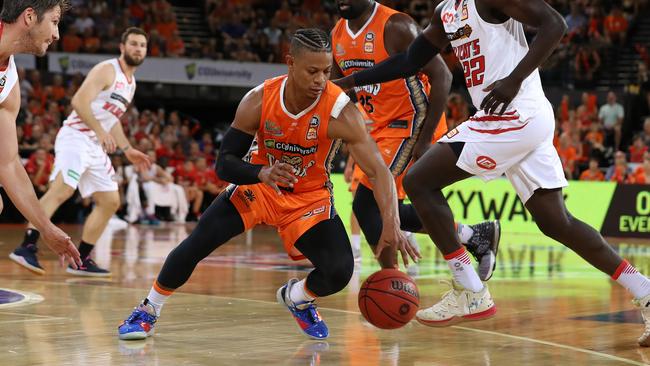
(356, 64)
(464, 32)
(64, 62)
(369, 43)
(486, 162)
(316, 211)
(312, 131)
(296, 162)
(3, 81)
(190, 70)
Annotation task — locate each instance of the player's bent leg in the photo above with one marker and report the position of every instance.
(327, 246)
(218, 224)
(26, 253)
(553, 219)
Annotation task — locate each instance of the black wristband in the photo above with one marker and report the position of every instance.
(230, 166)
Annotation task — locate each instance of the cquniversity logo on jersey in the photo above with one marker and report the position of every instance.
(356, 64)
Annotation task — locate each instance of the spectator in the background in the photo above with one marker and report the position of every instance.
(137, 11)
(263, 48)
(234, 28)
(110, 41)
(207, 180)
(274, 33)
(637, 149)
(587, 63)
(575, 19)
(615, 26)
(646, 132)
(595, 141)
(587, 112)
(593, 173)
(175, 46)
(620, 171)
(156, 44)
(71, 41)
(283, 15)
(611, 116)
(91, 42)
(167, 25)
(642, 172)
(83, 20)
(39, 167)
(242, 52)
(568, 155)
(58, 90)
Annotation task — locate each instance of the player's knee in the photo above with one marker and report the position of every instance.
(110, 203)
(341, 274)
(554, 227)
(410, 183)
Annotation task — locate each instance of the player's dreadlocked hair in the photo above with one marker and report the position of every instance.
(311, 39)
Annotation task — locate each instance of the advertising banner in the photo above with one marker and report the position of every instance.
(27, 62)
(629, 213)
(177, 70)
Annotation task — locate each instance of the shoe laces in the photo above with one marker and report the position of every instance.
(140, 313)
(32, 248)
(309, 308)
(448, 301)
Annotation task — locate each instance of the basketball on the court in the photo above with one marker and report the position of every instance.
(388, 299)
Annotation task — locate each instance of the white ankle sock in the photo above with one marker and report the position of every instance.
(463, 271)
(632, 280)
(298, 293)
(157, 298)
(464, 233)
(355, 240)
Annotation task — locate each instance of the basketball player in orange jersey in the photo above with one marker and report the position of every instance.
(404, 115)
(299, 120)
(511, 134)
(26, 27)
(82, 146)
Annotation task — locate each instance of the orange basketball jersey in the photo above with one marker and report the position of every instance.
(299, 140)
(397, 108)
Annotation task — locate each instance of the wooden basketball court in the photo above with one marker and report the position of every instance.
(552, 310)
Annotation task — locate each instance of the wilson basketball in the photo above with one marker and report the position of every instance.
(388, 299)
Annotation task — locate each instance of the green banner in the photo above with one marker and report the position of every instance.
(473, 201)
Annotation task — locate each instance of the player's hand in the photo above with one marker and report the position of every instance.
(501, 92)
(141, 160)
(61, 244)
(348, 172)
(278, 173)
(420, 148)
(392, 236)
(346, 83)
(107, 142)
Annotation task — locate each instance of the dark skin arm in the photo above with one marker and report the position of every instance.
(550, 30)
(399, 32)
(350, 127)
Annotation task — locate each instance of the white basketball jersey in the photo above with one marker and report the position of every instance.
(8, 78)
(110, 104)
(488, 52)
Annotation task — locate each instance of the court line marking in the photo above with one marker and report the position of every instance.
(28, 298)
(505, 335)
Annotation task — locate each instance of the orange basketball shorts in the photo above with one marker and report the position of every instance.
(291, 213)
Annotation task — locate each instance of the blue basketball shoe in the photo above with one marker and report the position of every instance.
(26, 257)
(139, 325)
(305, 314)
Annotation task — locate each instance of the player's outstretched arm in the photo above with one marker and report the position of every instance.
(236, 143)
(550, 30)
(425, 47)
(99, 78)
(16, 183)
(400, 31)
(349, 127)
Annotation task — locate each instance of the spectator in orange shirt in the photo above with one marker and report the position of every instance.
(593, 173)
(39, 167)
(619, 172)
(58, 90)
(283, 15)
(568, 155)
(71, 42)
(563, 109)
(167, 25)
(642, 172)
(175, 46)
(638, 149)
(615, 26)
(91, 42)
